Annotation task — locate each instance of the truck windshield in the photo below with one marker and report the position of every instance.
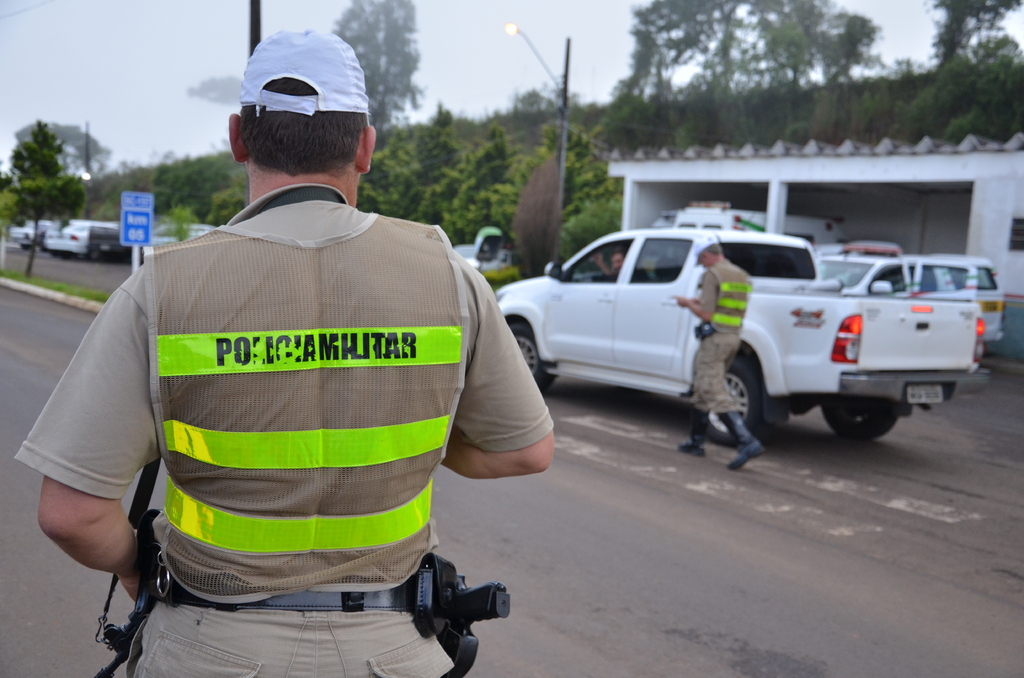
(770, 261)
(847, 272)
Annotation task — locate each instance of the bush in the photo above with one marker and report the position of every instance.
(502, 276)
(596, 219)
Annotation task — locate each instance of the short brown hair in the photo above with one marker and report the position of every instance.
(294, 143)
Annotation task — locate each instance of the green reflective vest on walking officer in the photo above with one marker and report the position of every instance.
(725, 290)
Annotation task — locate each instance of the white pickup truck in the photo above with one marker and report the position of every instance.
(607, 315)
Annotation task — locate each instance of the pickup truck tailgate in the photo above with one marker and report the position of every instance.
(901, 334)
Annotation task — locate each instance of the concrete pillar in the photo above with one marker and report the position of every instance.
(992, 211)
(629, 203)
(778, 196)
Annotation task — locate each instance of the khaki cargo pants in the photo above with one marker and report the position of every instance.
(194, 642)
(713, 358)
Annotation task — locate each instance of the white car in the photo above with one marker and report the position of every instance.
(608, 315)
(859, 274)
(86, 239)
(22, 235)
(957, 276)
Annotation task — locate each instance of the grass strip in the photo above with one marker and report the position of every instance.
(66, 288)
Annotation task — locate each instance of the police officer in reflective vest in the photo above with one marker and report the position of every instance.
(301, 372)
(725, 289)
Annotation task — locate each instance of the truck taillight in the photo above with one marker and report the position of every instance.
(847, 346)
(979, 345)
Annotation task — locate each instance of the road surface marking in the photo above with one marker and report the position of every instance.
(868, 493)
(761, 502)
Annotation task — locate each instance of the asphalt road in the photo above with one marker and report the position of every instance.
(903, 557)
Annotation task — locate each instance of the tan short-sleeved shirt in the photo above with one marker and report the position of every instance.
(98, 428)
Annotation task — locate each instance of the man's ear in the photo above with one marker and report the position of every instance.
(367, 141)
(238, 149)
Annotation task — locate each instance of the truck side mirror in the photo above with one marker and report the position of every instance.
(553, 269)
(881, 287)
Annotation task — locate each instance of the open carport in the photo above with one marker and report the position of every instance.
(932, 197)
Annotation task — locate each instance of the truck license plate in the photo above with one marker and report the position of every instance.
(991, 306)
(920, 394)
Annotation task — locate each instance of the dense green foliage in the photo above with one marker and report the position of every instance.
(801, 69)
(191, 182)
(594, 220)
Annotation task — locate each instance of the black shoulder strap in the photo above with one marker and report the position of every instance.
(143, 492)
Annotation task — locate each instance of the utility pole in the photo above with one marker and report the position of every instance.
(255, 31)
(255, 35)
(563, 139)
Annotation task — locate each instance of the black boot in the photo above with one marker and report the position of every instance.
(747, 445)
(698, 427)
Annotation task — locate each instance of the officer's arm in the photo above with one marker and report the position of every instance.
(472, 462)
(92, 530)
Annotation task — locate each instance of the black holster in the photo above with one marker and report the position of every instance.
(445, 607)
(704, 330)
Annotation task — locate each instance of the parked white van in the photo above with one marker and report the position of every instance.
(721, 216)
(956, 276)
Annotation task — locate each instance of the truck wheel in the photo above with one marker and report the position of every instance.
(528, 345)
(859, 423)
(743, 381)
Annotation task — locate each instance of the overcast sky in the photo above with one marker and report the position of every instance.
(125, 66)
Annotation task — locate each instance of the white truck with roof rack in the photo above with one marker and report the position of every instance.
(608, 315)
(721, 217)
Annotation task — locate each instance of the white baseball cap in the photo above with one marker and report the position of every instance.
(322, 60)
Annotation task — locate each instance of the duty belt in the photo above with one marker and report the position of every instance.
(399, 599)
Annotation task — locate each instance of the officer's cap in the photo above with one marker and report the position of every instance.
(322, 60)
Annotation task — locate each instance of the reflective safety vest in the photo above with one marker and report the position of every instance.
(305, 394)
(733, 291)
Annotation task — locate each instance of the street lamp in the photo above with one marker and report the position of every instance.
(563, 119)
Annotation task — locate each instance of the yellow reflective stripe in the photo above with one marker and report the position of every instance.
(306, 449)
(284, 350)
(319, 533)
(723, 319)
(736, 287)
(738, 304)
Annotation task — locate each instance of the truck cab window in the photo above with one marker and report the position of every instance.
(893, 274)
(600, 265)
(660, 261)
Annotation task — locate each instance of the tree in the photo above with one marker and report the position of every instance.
(382, 34)
(594, 220)
(437, 155)
(536, 222)
(487, 194)
(965, 20)
(39, 184)
(178, 222)
(72, 156)
(391, 187)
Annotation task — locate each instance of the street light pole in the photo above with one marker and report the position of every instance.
(87, 175)
(563, 148)
(563, 122)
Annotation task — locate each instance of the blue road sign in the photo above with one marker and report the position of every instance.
(136, 219)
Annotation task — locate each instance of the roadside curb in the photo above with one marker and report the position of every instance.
(52, 295)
